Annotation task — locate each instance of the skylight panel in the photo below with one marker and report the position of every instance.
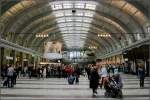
(73, 38)
(74, 31)
(67, 13)
(72, 41)
(90, 6)
(88, 14)
(61, 25)
(75, 46)
(67, 5)
(78, 19)
(78, 44)
(74, 35)
(74, 26)
(63, 28)
(79, 5)
(70, 28)
(64, 31)
(84, 28)
(56, 6)
(60, 20)
(59, 14)
(87, 20)
(86, 24)
(81, 28)
(69, 19)
(75, 42)
(77, 24)
(69, 24)
(79, 14)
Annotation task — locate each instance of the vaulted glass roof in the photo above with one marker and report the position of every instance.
(108, 25)
(75, 23)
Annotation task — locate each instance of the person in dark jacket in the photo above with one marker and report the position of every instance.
(94, 80)
(77, 73)
(88, 70)
(141, 75)
(14, 76)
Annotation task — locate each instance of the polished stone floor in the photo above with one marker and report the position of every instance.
(58, 89)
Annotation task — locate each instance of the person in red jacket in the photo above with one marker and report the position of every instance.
(69, 70)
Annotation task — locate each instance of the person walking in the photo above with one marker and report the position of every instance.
(38, 72)
(141, 74)
(77, 74)
(15, 76)
(113, 68)
(44, 72)
(25, 70)
(10, 73)
(94, 80)
(88, 70)
(59, 71)
(104, 75)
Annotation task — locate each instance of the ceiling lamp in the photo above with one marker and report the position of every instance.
(104, 35)
(41, 35)
(92, 47)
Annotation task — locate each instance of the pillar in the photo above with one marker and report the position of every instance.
(2, 56)
(39, 59)
(34, 62)
(14, 57)
(27, 57)
(21, 60)
(115, 59)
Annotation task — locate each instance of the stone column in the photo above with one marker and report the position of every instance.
(27, 57)
(2, 56)
(14, 57)
(33, 62)
(115, 59)
(21, 60)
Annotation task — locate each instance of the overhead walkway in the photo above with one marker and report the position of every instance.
(58, 89)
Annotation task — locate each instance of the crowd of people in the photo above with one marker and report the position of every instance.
(10, 73)
(98, 75)
(9, 76)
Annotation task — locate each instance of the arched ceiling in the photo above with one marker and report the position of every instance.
(126, 21)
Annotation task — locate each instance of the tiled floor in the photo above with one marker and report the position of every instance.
(58, 89)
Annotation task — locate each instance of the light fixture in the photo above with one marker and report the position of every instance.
(41, 35)
(104, 35)
(92, 47)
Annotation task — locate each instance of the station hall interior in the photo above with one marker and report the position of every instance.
(58, 34)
